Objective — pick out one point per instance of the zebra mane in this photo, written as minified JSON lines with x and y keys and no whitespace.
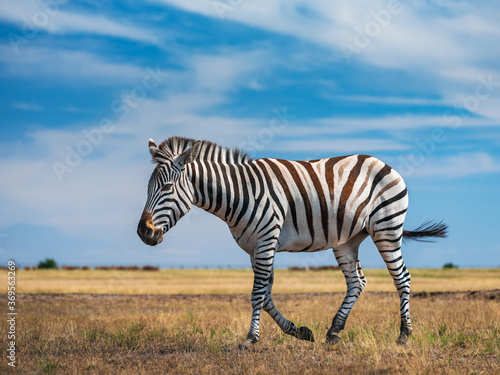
{"x":174,"y":146}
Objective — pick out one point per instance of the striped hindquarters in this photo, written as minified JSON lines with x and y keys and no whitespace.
{"x":330,"y":200}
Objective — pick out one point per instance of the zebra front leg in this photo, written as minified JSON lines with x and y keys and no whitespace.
{"x":262,"y":265}
{"x":302,"y":333}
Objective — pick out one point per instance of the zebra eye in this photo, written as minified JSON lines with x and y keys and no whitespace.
{"x":167,"y":187}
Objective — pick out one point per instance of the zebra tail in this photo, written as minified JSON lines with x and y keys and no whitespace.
{"x":427,"y":229}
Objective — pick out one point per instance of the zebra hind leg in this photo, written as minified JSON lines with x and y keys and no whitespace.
{"x":302,"y":333}
{"x":347,"y":258}
{"x":388,"y":242}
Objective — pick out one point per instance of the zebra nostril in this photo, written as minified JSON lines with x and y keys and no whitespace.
{"x":145,"y":227}
{"x":144,"y":230}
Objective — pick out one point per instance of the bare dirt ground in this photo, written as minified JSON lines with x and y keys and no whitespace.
{"x":40,"y":298}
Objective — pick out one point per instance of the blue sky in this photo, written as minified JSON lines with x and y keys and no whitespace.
{"x":86,"y":84}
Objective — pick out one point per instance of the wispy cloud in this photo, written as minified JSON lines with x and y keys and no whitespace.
{"x":457,"y":166}
{"x":56,"y":19}
{"x":427,"y":39}
{"x":33,"y":195}
{"x":333,"y":147}
{"x":228,"y":74}
{"x":356,"y":125}
{"x":229,"y":69}
{"x":392,"y":100}
{"x":27,"y":106}
{"x":69,"y":65}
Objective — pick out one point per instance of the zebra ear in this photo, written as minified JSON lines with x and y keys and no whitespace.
{"x":189,"y":155}
{"x":195,"y":151}
{"x":153,"y":148}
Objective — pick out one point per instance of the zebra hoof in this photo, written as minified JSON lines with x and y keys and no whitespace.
{"x":305,"y":334}
{"x":332,"y":338}
{"x":402,"y":340}
{"x":406,"y":331}
{"x":246,"y":344}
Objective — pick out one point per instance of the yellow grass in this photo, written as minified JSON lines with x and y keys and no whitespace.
{"x":191,"y":321}
{"x":159,"y":334}
{"x":170,"y":281}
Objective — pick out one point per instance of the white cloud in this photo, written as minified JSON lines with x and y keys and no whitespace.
{"x":102,"y":200}
{"x":33,"y":15}
{"x":34,"y":62}
{"x":391,"y":100}
{"x":411,"y":29}
{"x":184,"y":101}
{"x":88,"y":202}
{"x":446,"y":44}
{"x":338,"y":146}
{"x":357,"y":125}
{"x":323,"y":22}
{"x":456,"y":166}
{"x":228,"y":69}
{"x":23,"y":106}
{"x":103,"y":196}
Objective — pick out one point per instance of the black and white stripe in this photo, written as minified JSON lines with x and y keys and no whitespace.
{"x":273,"y":205}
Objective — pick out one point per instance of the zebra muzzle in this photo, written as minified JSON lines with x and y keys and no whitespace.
{"x":147,"y":231}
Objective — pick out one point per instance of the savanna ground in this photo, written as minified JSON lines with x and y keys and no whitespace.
{"x":191,"y":321}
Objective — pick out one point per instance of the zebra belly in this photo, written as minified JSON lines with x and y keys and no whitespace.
{"x":291,"y":241}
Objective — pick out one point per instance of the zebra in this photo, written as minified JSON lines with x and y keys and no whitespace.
{"x":275,"y":205}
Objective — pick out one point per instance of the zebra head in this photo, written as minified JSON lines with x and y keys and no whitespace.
{"x":170,"y":193}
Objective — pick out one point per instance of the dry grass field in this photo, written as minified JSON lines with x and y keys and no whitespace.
{"x":191,"y":321}
{"x":201,"y":281}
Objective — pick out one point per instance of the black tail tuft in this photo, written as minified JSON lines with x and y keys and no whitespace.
{"x":427,"y":229}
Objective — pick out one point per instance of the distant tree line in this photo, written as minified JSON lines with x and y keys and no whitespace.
{"x":52,"y":264}
{"x":312,"y":268}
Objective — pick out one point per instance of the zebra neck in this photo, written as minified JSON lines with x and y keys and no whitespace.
{"x":217,"y":189}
